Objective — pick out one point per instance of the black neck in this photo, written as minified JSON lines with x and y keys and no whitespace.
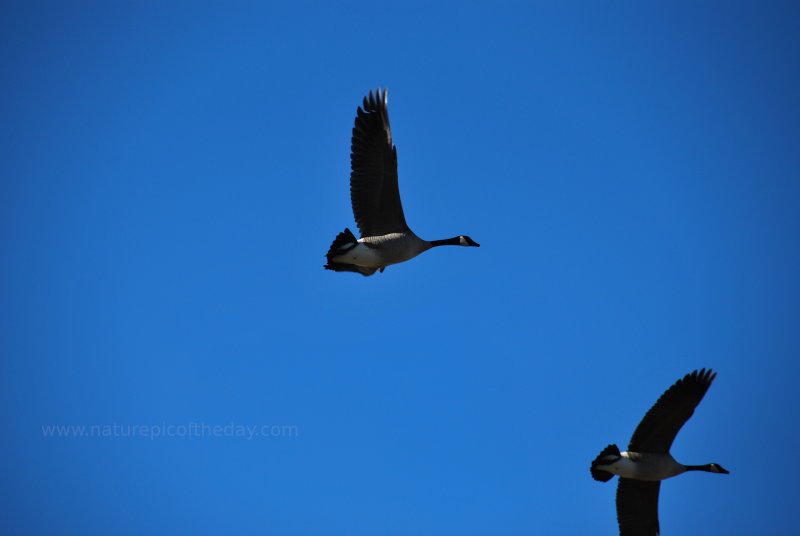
{"x":455,"y":241}
{"x":706,"y":467}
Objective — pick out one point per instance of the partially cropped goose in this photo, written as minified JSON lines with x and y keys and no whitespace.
{"x":375,"y":197}
{"x":648,"y":460}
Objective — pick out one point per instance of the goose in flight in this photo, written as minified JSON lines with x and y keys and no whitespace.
{"x":648,"y":461}
{"x":385,"y":237}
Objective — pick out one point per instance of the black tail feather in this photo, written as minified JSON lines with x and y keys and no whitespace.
{"x":610,"y":454}
{"x":344,"y":242}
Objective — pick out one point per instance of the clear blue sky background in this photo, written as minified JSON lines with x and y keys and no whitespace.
{"x":171,"y":175}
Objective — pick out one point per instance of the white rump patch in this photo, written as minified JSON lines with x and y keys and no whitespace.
{"x":360,"y":255}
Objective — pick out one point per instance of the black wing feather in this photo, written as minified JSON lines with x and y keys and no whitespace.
{"x":374,"y":193}
{"x":662,"y":423}
{"x":637,"y":507}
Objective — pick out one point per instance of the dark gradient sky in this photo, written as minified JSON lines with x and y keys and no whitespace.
{"x":171,"y":174}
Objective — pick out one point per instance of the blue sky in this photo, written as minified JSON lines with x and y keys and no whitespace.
{"x":172,"y":173}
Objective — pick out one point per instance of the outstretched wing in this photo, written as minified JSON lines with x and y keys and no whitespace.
{"x":662,"y":423}
{"x":637,"y":507}
{"x":373,"y":180}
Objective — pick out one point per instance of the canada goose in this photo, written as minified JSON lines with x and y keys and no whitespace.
{"x":375,"y":197}
{"x":648,"y":460}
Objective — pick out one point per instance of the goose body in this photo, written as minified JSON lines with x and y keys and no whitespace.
{"x":382,"y":251}
{"x":644,"y":466}
{"x":385,"y":239}
{"x":647,"y":461}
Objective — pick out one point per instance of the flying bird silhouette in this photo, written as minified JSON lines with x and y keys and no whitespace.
{"x":648,"y":461}
{"x":385,"y":237}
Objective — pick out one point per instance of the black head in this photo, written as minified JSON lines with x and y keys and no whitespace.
{"x":716,"y":468}
{"x":467,"y":241}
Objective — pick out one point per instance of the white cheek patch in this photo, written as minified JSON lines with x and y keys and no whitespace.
{"x":462,"y":241}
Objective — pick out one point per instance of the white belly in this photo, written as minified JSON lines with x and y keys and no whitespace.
{"x":647,"y":467}
{"x":360,"y":255}
{"x":623,"y":467}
